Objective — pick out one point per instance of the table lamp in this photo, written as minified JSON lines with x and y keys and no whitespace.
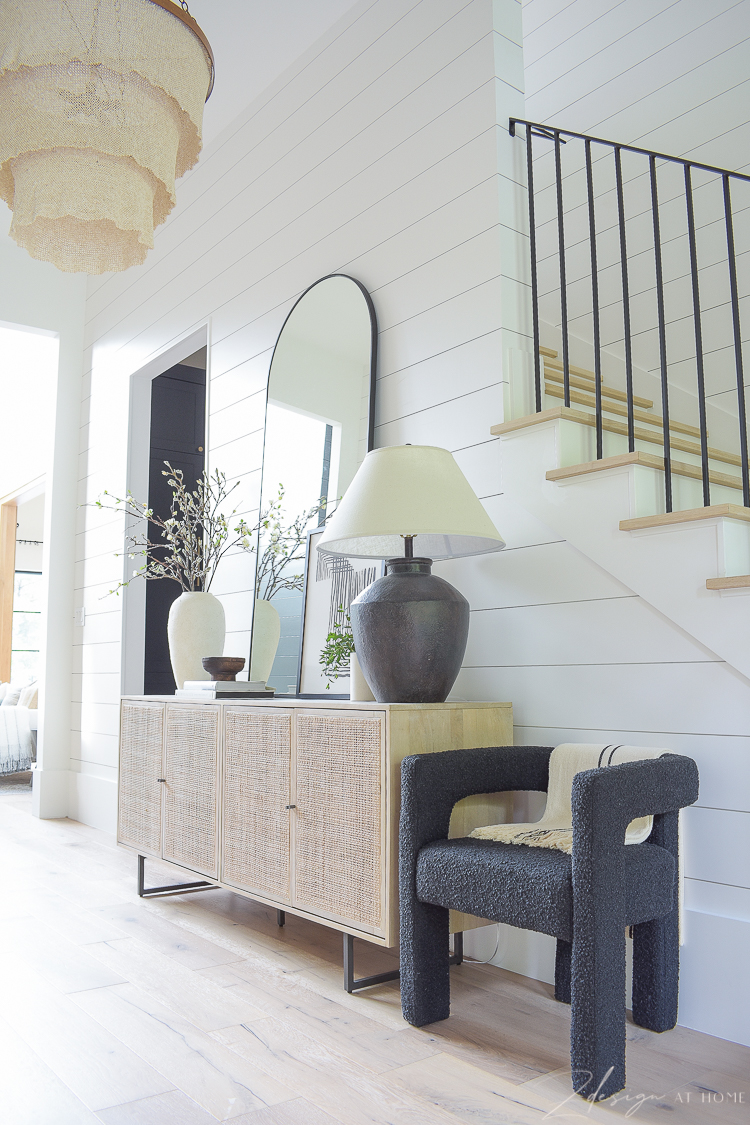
{"x":410,"y":627}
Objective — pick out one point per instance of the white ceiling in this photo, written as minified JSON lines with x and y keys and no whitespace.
{"x":253,"y":42}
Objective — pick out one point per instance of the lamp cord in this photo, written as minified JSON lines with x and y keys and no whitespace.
{"x":472,"y":961}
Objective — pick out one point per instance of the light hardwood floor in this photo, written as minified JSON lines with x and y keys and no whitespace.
{"x":189,"y":1010}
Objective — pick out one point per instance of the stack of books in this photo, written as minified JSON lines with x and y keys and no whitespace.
{"x":201,"y":690}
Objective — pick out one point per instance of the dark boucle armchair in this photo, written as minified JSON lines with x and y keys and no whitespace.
{"x":585,"y":901}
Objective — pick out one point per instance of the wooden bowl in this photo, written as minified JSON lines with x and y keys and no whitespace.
{"x":223,"y":667}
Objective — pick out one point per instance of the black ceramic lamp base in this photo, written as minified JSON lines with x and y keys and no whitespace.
{"x":410,"y":631}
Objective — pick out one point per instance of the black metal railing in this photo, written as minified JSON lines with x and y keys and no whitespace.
{"x":643,"y":214}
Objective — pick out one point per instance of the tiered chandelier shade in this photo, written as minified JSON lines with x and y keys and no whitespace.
{"x":101,"y":109}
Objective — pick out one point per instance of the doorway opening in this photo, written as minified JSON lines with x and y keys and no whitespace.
{"x":177,"y":436}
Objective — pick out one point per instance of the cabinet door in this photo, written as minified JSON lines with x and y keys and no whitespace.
{"x":191,"y":758}
{"x":255,"y":813}
{"x":139,"y":794}
{"x":339,"y":821}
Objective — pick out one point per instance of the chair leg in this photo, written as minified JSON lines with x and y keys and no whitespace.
{"x":656,"y":947}
{"x":597,"y":1028}
{"x":656,"y":969}
{"x":563,"y":954}
{"x":425,"y":963}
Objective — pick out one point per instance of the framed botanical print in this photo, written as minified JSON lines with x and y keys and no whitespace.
{"x":332,"y":582}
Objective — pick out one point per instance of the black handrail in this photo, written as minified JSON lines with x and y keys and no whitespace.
{"x":558,"y":137}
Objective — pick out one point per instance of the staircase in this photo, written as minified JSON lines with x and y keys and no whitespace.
{"x":639,"y":488}
{"x":686,"y":563}
{"x":649,"y":435}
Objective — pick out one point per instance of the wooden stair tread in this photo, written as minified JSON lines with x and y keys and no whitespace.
{"x":738,"y":582}
{"x":556,"y":375}
{"x":689,"y":515}
{"x":617,"y":408}
{"x":590,"y":377}
{"x":650,"y":460}
{"x":550,"y":415}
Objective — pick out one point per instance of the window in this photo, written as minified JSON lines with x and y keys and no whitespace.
{"x":27,"y":625}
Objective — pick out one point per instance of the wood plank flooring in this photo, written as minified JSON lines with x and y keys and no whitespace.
{"x":197,"y":1009}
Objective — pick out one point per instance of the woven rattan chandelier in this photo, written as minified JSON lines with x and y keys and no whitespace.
{"x":101,"y":108}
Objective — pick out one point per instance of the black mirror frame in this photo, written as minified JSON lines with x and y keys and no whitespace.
{"x":370,"y":433}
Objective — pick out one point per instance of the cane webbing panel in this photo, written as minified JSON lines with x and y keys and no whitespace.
{"x":141,"y":737}
{"x":255,"y":837}
{"x":338,"y":821}
{"x":190,"y":767}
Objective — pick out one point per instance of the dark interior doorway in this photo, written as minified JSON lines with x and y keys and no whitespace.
{"x":178,"y":427}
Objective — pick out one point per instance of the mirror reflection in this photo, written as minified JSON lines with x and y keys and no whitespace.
{"x":319,"y":425}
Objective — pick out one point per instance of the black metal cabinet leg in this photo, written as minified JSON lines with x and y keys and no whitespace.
{"x":352,"y":984}
{"x":281,"y":917}
{"x":174,"y":889}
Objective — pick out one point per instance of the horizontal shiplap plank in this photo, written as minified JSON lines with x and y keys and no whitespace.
{"x":96,"y":688}
{"x":469,"y":367}
{"x":723,"y":760}
{"x":717,"y":845}
{"x":717,"y":898}
{"x":453,"y":424}
{"x":96,"y":718}
{"x":651,"y":698}
{"x":95,"y":749}
{"x":614,"y":631}
{"x":531,"y":576}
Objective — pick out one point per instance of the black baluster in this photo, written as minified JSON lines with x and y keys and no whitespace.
{"x":595,"y":304}
{"x":563,"y":284}
{"x":742,"y":417}
{"x":662,"y":336}
{"x":625,"y":301}
{"x":698,"y":336}
{"x":534,"y":282}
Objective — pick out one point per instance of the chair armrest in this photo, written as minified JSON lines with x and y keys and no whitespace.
{"x":606,"y":800}
{"x":431,"y":784}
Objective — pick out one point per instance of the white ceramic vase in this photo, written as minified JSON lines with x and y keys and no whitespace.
{"x":359,"y":689}
{"x":196,"y":628}
{"x":266,"y":635}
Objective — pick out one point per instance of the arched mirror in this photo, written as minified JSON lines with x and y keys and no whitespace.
{"x":319,"y":426}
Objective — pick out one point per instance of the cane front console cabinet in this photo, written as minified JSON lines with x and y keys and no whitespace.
{"x":293,"y":803}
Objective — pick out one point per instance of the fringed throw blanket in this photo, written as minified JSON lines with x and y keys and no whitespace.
{"x":16,"y":746}
{"x":555,"y":829}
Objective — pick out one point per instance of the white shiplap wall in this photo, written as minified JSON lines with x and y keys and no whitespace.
{"x":378,"y":154}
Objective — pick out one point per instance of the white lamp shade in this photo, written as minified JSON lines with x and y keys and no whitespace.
{"x":414,"y":490}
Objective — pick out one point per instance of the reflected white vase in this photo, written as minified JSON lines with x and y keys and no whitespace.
{"x":359,"y":689}
{"x":266,"y":636}
{"x":196,"y":628}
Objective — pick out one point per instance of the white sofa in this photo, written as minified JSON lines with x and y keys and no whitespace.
{"x":18,"y":726}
